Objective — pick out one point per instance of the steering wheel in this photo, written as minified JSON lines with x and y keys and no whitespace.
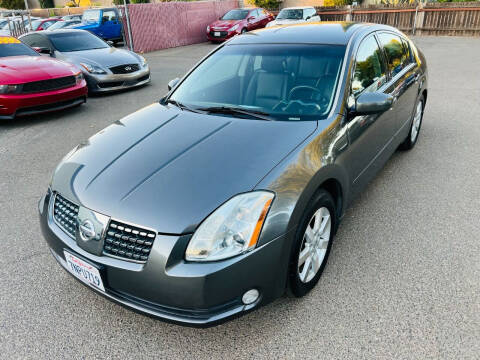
{"x":313,"y":91}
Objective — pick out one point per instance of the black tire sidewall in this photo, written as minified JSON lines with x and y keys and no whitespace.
{"x":321,"y":199}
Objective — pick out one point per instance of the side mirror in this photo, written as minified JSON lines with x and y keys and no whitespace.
{"x":43,"y":50}
{"x":308,"y":18}
{"x":173,"y":83}
{"x":250,"y":18}
{"x":372,"y":103}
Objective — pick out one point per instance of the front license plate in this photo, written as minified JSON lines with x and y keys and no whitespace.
{"x":85,"y":272}
{"x":216,"y":33}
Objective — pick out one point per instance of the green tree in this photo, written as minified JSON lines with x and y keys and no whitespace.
{"x":268,"y":4}
{"x":46,"y":4}
{"x":12,"y":4}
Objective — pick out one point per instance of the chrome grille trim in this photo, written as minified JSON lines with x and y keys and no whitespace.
{"x":65,"y":213}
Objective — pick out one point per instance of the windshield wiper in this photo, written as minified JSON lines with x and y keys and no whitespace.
{"x":183,"y":106}
{"x":235,"y":111}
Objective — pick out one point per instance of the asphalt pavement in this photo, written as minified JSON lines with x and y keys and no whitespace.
{"x":403,"y":278}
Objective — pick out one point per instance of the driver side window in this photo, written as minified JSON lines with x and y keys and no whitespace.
{"x":370,"y":71}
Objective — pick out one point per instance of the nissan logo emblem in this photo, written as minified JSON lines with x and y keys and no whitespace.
{"x":128,"y":68}
{"x":87,"y":230}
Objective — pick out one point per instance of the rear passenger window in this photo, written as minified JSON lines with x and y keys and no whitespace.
{"x":397,"y":56}
{"x":369,"y":67}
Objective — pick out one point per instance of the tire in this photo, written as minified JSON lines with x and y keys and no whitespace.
{"x":415,"y":127}
{"x":244,"y":30}
{"x":302,"y":280}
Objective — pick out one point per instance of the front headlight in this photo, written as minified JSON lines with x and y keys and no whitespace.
{"x":93,"y":69}
{"x":143,"y":61}
{"x":8,"y":89}
{"x":232,"y":229}
{"x":79,"y":78}
{"x":233,"y":28}
{"x":208,"y":28}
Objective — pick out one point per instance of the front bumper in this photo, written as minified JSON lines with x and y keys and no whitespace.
{"x":169,"y":288}
{"x":224,"y":35}
{"x":13,"y":105}
{"x":115,"y":82}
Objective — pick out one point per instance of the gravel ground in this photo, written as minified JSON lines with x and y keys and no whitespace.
{"x":402,"y":280}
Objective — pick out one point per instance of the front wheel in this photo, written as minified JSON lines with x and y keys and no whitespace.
{"x":244,"y":30}
{"x":312,"y":244}
{"x":412,"y":136}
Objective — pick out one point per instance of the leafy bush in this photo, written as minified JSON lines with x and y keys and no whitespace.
{"x":139,"y":1}
{"x":46,"y":4}
{"x":12,"y":4}
{"x":268,"y":4}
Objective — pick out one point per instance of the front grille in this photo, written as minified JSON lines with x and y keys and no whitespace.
{"x":65,"y":214}
{"x":125,"y":69}
{"x":222,"y":33}
{"x":128,"y":242}
{"x":48,"y":85}
{"x":110,"y":84}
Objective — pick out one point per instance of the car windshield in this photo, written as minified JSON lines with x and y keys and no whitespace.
{"x":36,"y":24}
{"x":76,"y":41}
{"x":235,"y":15}
{"x":288,"y":82}
{"x":16,"y":49}
{"x":291,"y":14}
{"x":91,"y":16}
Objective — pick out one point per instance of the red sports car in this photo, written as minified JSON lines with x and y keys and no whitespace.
{"x":32,"y":84}
{"x":238,"y":21}
{"x":43,"y":24}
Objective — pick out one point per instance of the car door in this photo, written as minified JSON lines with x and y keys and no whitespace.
{"x":403,"y":73}
{"x":255,"y":21}
{"x":110,"y":28}
{"x":368,"y":135}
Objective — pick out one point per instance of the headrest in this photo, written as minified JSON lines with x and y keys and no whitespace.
{"x":311,"y":67}
{"x":273,"y":64}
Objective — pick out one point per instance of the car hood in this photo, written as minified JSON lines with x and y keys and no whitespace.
{"x":285,"y":22}
{"x":22,"y":69}
{"x":167,"y":169}
{"x":224,"y":24}
{"x":106,"y":57}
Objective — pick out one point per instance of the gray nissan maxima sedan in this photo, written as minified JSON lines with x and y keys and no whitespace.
{"x":105,"y":67}
{"x":229,"y":190}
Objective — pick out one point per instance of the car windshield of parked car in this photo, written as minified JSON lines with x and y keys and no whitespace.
{"x":62,"y":24}
{"x":76,"y":41}
{"x":36,"y":24}
{"x":235,"y":15}
{"x":91,"y":16}
{"x":290,"y":14}
{"x":288,"y":82}
{"x":16,"y":49}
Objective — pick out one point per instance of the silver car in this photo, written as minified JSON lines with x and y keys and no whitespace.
{"x":105,"y":67}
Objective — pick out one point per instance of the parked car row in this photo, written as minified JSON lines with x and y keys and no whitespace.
{"x":74,"y":63}
{"x":239,"y":21}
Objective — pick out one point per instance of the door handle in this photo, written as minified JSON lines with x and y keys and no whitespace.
{"x":417,"y":77}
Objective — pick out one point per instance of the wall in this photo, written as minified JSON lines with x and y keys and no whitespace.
{"x":164,"y":25}
{"x":292,"y":3}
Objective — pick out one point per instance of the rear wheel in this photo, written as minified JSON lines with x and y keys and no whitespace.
{"x":412,"y":136}
{"x":312,"y":244}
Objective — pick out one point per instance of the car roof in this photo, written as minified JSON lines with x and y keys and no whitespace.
{"x":327,"y":32}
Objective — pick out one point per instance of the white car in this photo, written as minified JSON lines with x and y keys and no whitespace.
{"x":295,"y":15}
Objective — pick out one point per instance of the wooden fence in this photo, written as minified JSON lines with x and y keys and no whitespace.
{"x":425,"y":19}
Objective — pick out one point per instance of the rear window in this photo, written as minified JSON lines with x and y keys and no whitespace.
{"x":76,"y":41}
{"x":16,"y":49}
{"x":91,"y":16}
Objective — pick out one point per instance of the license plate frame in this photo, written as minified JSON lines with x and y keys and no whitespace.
{"x":84,"y":271}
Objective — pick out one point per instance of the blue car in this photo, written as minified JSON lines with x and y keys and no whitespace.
{"x":104,"y":23}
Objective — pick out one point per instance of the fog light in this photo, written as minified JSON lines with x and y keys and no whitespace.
{"x":250,"y":296}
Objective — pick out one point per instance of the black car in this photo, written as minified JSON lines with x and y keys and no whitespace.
{"x":230,"y":189}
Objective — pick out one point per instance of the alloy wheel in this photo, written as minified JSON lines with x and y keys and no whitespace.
{"x":417,"y":121}
{"x":314,"y":244}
